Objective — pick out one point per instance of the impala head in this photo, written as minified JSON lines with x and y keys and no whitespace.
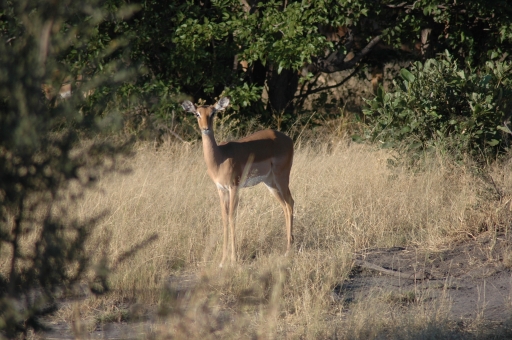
{"x":205,"y":113}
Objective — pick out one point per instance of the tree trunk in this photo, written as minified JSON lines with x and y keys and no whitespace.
{"x":426,"y":43}
{"x":281,"y":90}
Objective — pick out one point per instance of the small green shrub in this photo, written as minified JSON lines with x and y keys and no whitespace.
{"x":438,"y":103}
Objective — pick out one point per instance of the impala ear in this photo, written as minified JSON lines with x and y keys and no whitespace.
{"x":188,"y":106}
{"x":222,"y":104}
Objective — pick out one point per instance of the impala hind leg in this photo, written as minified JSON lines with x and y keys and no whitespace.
{"x":284,"y":197}
{"x":289,"y":221}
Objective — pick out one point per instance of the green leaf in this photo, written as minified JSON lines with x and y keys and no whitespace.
{"x":405,"y":130}
{"x":504,"y":129}
{"x":380,"y":92}
{"x":477,"y":109}
{"x":407,"y":75}
{"x":493,"y":142}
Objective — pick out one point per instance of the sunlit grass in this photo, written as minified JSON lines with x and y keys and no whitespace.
{"x":163,"y":219}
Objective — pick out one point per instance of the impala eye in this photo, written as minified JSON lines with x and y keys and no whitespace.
{"x":197,"y":115}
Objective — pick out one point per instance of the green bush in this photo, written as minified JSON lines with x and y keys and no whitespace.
{"x":438,"y":103}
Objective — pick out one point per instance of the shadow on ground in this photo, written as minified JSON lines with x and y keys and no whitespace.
{"x":473,"y":277}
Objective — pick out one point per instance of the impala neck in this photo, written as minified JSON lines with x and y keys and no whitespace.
{"x":211,"y":151}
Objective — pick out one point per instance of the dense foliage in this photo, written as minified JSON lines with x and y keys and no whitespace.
{"x":439,"y":103}
{"x":268,"y":55}
{"x":258,"y":52}
{"x":42,"y":248}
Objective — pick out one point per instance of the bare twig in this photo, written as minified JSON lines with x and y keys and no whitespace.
{"x":177,"y":136}
{"x":320,"y":89}
{"x":498,"y":191}
{"x":403,"y":275}
{"x":331,"y":66}
{"x":44,"y":41}
{"x":397,"y":6}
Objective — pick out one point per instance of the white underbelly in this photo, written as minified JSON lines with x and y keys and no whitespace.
{"x":251,"y":181}
{"x":255,"y":176}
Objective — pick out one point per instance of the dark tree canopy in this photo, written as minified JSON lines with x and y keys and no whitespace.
{"x":246,"y":48}
{"x":202,"y":48}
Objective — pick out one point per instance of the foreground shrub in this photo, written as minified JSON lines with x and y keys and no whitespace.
{"x":438,"y":103}
{"x":41,"y":248}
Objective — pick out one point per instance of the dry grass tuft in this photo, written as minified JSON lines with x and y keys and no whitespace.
{"x":164,"y":222}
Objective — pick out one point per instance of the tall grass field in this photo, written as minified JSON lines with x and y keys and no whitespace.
{"x":161,"y":239}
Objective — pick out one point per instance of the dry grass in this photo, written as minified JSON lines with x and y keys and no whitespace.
{"x":164,"y":220}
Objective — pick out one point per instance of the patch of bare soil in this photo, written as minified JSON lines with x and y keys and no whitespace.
{"x":473,"y":276}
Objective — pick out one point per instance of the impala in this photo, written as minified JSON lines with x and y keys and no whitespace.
{"x":265,"y":156}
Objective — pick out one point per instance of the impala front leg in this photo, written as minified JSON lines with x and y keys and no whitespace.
{"x":224,"y":207}
{"x":233,"y":202}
